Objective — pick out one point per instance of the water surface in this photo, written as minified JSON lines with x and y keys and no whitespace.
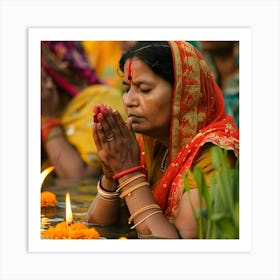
{"x":82,"y":192}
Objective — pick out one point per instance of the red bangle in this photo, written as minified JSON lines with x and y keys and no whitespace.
{"x":130,"y":170}
{"x":47,"y":125}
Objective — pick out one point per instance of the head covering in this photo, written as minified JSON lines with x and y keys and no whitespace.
{"x":198,"y":117}
{"x":67,"y":64}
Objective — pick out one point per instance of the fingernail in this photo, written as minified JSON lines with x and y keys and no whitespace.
{"x":96,"y":110}
{"x":99,"y":116}
{"x":104,"y":109}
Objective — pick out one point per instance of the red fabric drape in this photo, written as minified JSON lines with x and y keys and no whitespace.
{"x":198,"y":117}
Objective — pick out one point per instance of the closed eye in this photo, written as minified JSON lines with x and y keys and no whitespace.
{"x":145,"y":90}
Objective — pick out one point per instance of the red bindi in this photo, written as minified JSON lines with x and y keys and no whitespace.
{"x":129,"y":77}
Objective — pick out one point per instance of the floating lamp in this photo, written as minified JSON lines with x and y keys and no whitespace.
{"x":48,"y":199}
{"x":70,"y":229}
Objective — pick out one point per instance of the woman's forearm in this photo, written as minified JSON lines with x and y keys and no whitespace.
{"x":65,"y":158}
{"x":103,"y":211}
{"x":151,"y":221}
{"x":105,"y":208}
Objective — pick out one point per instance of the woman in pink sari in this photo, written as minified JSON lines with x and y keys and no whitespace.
{"x":175,"y":115}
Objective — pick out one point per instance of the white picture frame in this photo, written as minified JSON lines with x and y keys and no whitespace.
{"x":22,"y":257}
{"x":244,"y":36}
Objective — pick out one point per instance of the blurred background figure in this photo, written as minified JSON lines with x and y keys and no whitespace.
{"x":223,"y":60}
{"x":70,"y":88}
{"x":103,"y":57}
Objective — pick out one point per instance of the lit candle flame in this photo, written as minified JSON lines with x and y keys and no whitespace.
{"x":69,"y":216}
{"x":45,"y":173}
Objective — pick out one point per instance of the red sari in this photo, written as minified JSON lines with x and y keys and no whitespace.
{"x":198,"y":117}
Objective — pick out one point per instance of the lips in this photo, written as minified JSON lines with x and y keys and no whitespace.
{"x":135,"y":119}
{"x":132,"y":116}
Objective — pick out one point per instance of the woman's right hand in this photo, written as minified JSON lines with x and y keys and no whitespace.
{"x":116,"y":143}
{"x":108,"y":183}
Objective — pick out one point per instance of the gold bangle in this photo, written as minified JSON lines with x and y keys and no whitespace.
{"x":145,"y":218}
{"x":55,"y":135}
{"x":129,"y":180}
{"x":141,"y":210}
{"x":133,"y":188}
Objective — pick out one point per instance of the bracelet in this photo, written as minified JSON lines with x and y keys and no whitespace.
{"x":129,"y":180}
{"x":47,"y":119}
{"x":103,"y":187}
{"x":106,"y":199}
{"x":47,"y":124}
{"x":105,"y":194}
{"x":130,"y":190}
{"x":141,"y":210}
{"x":130,"y":170}
{"x":144,"y":219}
{"x":54,"y":135}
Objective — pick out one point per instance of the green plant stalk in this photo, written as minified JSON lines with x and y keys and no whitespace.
{"x":221,"y":199}
{"x":199,"y":179}
{"x":224,"y":181}
{"x":187,"y":188}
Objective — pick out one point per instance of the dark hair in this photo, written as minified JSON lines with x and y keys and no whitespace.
{"x":155,"y":54}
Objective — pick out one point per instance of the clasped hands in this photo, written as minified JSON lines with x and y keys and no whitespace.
{"x":115,"y":140}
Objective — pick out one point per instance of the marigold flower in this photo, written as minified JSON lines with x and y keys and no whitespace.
{"x":64,"y":230}
{"x":48,"y":199}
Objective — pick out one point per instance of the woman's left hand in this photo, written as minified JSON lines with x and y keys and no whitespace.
{"x":116,"y":143}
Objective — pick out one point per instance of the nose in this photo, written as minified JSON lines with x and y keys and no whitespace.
{"x":130,"y":98}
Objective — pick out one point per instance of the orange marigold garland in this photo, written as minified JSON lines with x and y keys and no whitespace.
{"x":64,"y":230}
{"x":48,"y":199}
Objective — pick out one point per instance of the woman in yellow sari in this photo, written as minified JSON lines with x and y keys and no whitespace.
{"x":176,"y":108}
{"x":69,"y":90}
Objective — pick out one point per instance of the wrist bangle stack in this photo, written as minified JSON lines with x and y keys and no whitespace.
{"x":130,"y":170}
{"x":145,"y":218}
{"x":141,"y":210}
{"x":133,"y":188}
{"x":51,"y":136}
{"x":106,"y":195}
{"x":47,"y":124}
{"x":125,"y":183}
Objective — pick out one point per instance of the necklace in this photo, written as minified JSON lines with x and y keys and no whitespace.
{"x":164,"y":161}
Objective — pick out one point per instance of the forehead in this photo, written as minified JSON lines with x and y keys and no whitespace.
{"x":137,"y":68}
